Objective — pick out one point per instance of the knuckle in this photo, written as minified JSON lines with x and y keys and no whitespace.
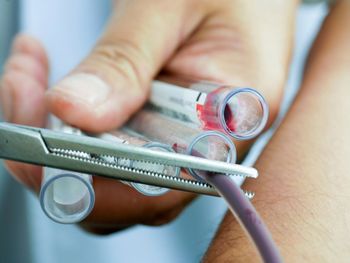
{"x":126,"y":59}
{"x":164,"y":217}
{"x":272,"y":86}
{"x":27,"y":174}
{"x":101,"y":230}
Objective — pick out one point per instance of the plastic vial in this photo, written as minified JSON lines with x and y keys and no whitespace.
{"x":66,"y":197}
{"x":184,"y":138}
{"x":128,"y":137}
{"x":239,"y":112}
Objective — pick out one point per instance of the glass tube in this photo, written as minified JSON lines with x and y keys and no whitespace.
{"x":129,"y":137}
{"x":239,"y":112}
{"x":66,"y":197}
{"x":184,"y":138}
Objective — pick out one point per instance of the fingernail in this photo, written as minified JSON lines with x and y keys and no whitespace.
{"x":6,"y":102}
{"x":85,"y":88}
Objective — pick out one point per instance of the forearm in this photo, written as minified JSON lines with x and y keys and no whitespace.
{"x":303,"y":189}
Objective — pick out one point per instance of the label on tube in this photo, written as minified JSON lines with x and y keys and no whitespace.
{"x":175,"y":101}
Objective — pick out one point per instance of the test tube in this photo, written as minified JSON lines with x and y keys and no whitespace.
{"x":239,"y":112}
{"x":184,"y":138}
{"x":129,"y":137}
{"x":66,"y":197}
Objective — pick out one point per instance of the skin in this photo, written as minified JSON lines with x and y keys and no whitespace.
{"x":303,"y":189}
{"x":254,"y":41}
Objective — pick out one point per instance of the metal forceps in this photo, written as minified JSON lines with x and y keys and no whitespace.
{"x":92,"y":155}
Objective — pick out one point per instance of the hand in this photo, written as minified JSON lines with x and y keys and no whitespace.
{"x":244,"y":43}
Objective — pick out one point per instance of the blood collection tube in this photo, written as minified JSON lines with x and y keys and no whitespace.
{"x":239,"y":112}
{"x":66,"y":197}
{"x":184,"y":138}
{"x":129,"y":137}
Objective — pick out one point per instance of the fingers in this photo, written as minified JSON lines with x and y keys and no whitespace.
{"x":244,"y":43}
{"x":27,"y":174}
{"x":117,"y":205}
{"x":29,"y":65}
{"x":126,"y":206}
{"x":22,"y":97}
{"x":24,"y":82}
{"x":112,"y":82}
{"x":27,"y":45}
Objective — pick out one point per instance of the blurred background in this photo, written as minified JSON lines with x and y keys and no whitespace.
{"x":68,"y":30}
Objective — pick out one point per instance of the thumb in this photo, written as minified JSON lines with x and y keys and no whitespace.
{"x":113,"y":81}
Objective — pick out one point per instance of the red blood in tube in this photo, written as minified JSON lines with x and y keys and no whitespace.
{"x":175,"y":147}
{"x":208,"y":124}
{"x":179,"y":148}
{"x":209,"y":112}
{"x":229,"y":119}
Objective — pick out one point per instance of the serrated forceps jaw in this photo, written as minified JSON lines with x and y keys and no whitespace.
{"x":88,"y":155}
